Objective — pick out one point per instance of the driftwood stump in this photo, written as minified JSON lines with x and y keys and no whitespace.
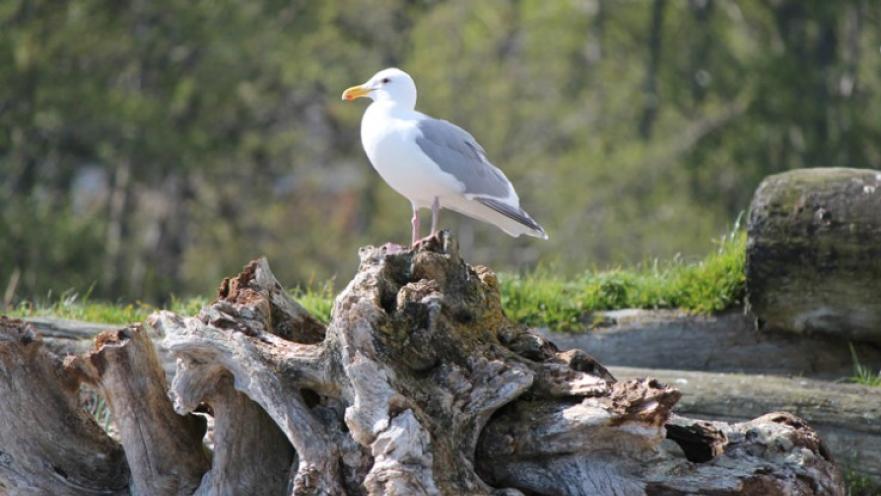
{"x":812,"y":259}
{"x":419,"y":385}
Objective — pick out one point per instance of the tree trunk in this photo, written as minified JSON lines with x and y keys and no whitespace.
{"x":420,"y":385}
{"x":119,"y":207}
{"x":650,"y":91}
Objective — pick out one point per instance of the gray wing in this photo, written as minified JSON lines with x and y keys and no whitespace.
{"x":458,"y":154}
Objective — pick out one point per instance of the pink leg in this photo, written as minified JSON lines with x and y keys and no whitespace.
{"x":435,"y":211}
{"x":415,"y":223}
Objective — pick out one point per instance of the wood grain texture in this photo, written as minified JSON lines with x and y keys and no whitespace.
{"x":164,"y":450}
{"x":847,"y":416}
{"x":419,"y":385}
{"x":726,"y":342}
{"x":48,"y":443}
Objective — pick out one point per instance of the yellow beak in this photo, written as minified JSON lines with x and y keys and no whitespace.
{"x":356,"y":92}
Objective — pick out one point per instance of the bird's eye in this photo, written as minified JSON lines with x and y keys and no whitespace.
{"x":386,"y":80}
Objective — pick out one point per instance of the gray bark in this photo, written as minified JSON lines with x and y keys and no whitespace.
{"x":251,"y":454}
{"x":48,"y":443}
{"x":813,"y":251}
{"x":164,"y":450}
{"x":420,"y":385}
{"x":847,"y":416}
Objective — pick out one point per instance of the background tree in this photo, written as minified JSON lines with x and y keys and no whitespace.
{"x":129,"y":132}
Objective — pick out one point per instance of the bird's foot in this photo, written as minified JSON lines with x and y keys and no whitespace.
{"x":433,"y":238}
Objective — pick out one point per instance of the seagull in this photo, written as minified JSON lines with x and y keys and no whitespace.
{"x":434,"y":163}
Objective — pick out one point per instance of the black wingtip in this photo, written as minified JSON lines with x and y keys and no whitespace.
{"x":513,"y":213}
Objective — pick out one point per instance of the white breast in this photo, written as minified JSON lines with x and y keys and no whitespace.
{"x":388,"y":135}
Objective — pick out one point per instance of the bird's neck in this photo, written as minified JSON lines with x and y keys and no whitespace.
{"x":398,"y":104}
{"x":384,"y":111}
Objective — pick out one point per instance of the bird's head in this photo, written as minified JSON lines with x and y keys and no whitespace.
{"x":388,"y":85}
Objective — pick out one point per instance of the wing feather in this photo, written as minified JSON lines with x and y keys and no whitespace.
{"x":457,"y":153}
{"x":514,"y":213}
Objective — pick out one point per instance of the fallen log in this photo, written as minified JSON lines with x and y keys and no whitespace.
{"x":847,"y":416}
{"x":65,"y":336}
{"x":726,"y":342}
{"x":66,"y":329}
{"x":420,"y":385}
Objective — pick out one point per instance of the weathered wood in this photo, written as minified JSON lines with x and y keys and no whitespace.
{"x":575,"y":449}
{"x":727,"y":342}
{"x":65,"y":336}
{"x":421,"y":386}
{"x":48,"y":443}
{"x":276,"y":311}
{"x":67,"y":329}
{"x":419,"y":376}
{"x":251,"y":454}
{"x":847,"y":416}
{"x":254,"y":305}
{"x":163,"y":449}
{"x":664,"y":339}
{"x":799,"y":463}
{"x":813,"y":253}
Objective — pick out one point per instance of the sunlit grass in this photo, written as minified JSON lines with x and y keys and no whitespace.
{"x":862,"y":374}
{"x":709,"y":285}
{"x":76,"y":307}
{"x":539,"y":298}
{"x":318,"y":301}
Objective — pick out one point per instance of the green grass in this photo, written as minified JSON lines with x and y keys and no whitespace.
{"x":710,"y":285}
{"x":862,"y":374}
{"x":76,"y":307}
{"x":857,"y":484}
{"x":318,"y":301}
{"x":539,"y":298}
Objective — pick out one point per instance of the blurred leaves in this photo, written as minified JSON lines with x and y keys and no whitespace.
{"x":150,"y":148}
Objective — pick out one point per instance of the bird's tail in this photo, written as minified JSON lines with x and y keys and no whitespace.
{"x":516,"y":214}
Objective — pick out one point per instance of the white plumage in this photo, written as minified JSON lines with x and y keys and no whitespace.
{"x":431,"y":162}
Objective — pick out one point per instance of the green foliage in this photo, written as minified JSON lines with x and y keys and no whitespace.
{"x":318,"y":301}
{"x":857,"y":484}
{"x":862,"y":374}
{"x":149,"y":148}
{"x":710,"y":285}
{"x":94,"y":403}
{"x":73,"y":306}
